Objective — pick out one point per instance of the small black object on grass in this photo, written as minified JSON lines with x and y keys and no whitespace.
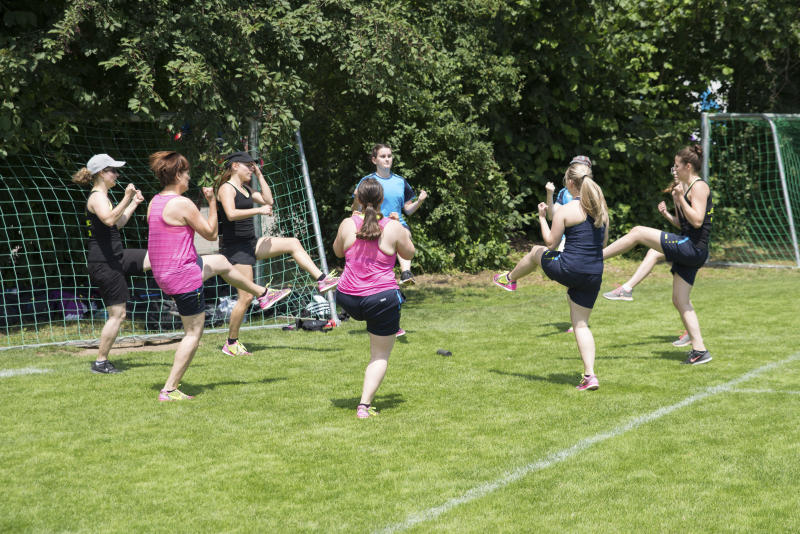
{"x":444,"y":352}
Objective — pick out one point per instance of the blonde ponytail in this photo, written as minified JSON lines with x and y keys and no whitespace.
{"x":593,"y":202}
{"x":83,"y":177}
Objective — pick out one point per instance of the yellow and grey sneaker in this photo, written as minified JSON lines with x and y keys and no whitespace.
{"x":174,"y":395}
{"x":236,"y":348}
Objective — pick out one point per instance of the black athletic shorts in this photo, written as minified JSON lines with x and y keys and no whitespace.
{"x":381,"y":311}
{"x":191,"y":302}
{"x":582,"y":288}
{"x":112,"y":278}
{"x":240,"y":252}
{"x":685,"y":257}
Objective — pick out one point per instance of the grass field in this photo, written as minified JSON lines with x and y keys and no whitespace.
{"x":492,"y":439}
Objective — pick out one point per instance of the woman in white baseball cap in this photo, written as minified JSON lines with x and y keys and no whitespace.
{"x":109,"y":265}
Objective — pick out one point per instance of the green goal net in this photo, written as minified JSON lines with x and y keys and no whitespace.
{"x":47,"y":297}
{"x":753,"y":168}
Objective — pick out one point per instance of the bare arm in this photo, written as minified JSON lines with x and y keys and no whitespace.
{"x":227,"y":196}
{"x":413,"y":205}
{"x":695,"y":213}
{"x":403,"y":245}
{"x":550,"y":188}
{"x":673,"y":219}
{"x":182,"y":211}
{"x":263,"y":197}
{"x":345,"y":237}
{"x":100,"y":205}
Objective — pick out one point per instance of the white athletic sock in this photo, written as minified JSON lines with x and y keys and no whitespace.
{"x":626,"y":287}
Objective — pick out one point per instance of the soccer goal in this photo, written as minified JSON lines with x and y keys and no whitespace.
{"x":46,"y":294}
{"x":753,"y":167}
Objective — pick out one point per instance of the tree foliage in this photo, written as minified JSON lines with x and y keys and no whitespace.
{"x":484,"y":101}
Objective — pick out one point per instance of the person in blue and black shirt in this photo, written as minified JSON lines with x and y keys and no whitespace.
{"x":398,"y":198}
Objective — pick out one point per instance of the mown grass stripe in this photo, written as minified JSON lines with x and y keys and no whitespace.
{"x":6,"y":373}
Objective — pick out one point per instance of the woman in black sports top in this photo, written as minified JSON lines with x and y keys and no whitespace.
{"x":108,"y":263}
{"x":688,"y":251}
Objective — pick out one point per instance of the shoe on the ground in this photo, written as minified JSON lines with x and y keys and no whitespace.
{"x":329,"y":282}
{"x":503,"y":281}
{"x":697,"y":357}
{"x":237,"y":349}
{"x":363,"y":411}
{"x":588,"y":382}
{"x":400,"y":332}
{"x":174,"y":395}
{"x":407,"y":278}
{"x":569,"y":330}
{"x":619,"y":294}
{"x":272,"y":297}
{"x":104,"y":367}
{"x":683,"y":340}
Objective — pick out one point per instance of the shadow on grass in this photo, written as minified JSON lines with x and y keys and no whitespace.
{"x":677,"y":354}
{"x":560,"y":328}
{"x":197,"y":388}
{"x":555,"y":378}
{"x":255,"y":347}
{"x":123,"y":365}
{"x":648,"y":340}
{"x":381,"y":402}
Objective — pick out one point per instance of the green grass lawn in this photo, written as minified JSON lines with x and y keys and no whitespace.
{"x":271,"y":443}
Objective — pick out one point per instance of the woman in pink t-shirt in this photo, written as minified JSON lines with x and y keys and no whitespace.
{"x":367,"y":288}
{"x":173,"y":220}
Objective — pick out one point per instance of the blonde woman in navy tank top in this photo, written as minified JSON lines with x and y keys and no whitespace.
{"x":367,"y":289}
{"x":579,"y":267}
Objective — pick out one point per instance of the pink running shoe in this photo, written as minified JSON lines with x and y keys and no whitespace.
{"x":400,"y":332}
{"x":237,"y":349}
{"x":329,"y":282}
{"x":683,"y":340}
{"x":502,"y":280}
{"x":588,"y":382}
{"x":174,"y":395}
{"x":363,"y":411}
{"x":272,"y":297}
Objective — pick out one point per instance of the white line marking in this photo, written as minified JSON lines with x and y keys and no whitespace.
{"x":5,"y":373}
{"x":737,"y":390}
{"x":489,"y":487}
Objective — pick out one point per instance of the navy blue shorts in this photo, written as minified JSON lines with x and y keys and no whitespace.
{"x":582,"y":288}
{"x":381,"y":310}
{"x":685,"y":257}
{"x":240,"y":252}
{"x":112,"y":278}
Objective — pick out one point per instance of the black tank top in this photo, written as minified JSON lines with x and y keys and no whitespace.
{"x":104,"y":244}
{"x":241,"y":230}
{"x":583,"y":248}
{"x":698,"y":236}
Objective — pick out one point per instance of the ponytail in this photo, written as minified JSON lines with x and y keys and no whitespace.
{"x":593,"y":202}
{"x":370,"y":194}
{"x":222,"y":178}
{"x":83,"y":177}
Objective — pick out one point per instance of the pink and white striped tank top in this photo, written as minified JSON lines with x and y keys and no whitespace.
{"x":367,"y":270}
{"x":172,"y":254}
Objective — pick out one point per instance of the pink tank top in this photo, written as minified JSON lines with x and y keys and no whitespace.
{"x":367,"y":270}
{"x":172,"y":254}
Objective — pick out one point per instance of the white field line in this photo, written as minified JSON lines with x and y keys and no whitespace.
{"x":489,"y":487}
{"x":778,"y":391}
{"x":5,"y":373}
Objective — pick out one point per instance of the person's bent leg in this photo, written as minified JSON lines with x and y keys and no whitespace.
{"x":528,"y":263}
{"x":146,"y":263}
{"x":651,"y":259}
{"x":380,"y":348}
{"x":116,"y":314}
{"x":639,"y":235}
{"x":579,"y":316}
{"x":242,"y":304}
{"x":217,"y":264}
{"x":680,"y":298}
{"x":270,"y":247}
{"x":193,"y":328}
